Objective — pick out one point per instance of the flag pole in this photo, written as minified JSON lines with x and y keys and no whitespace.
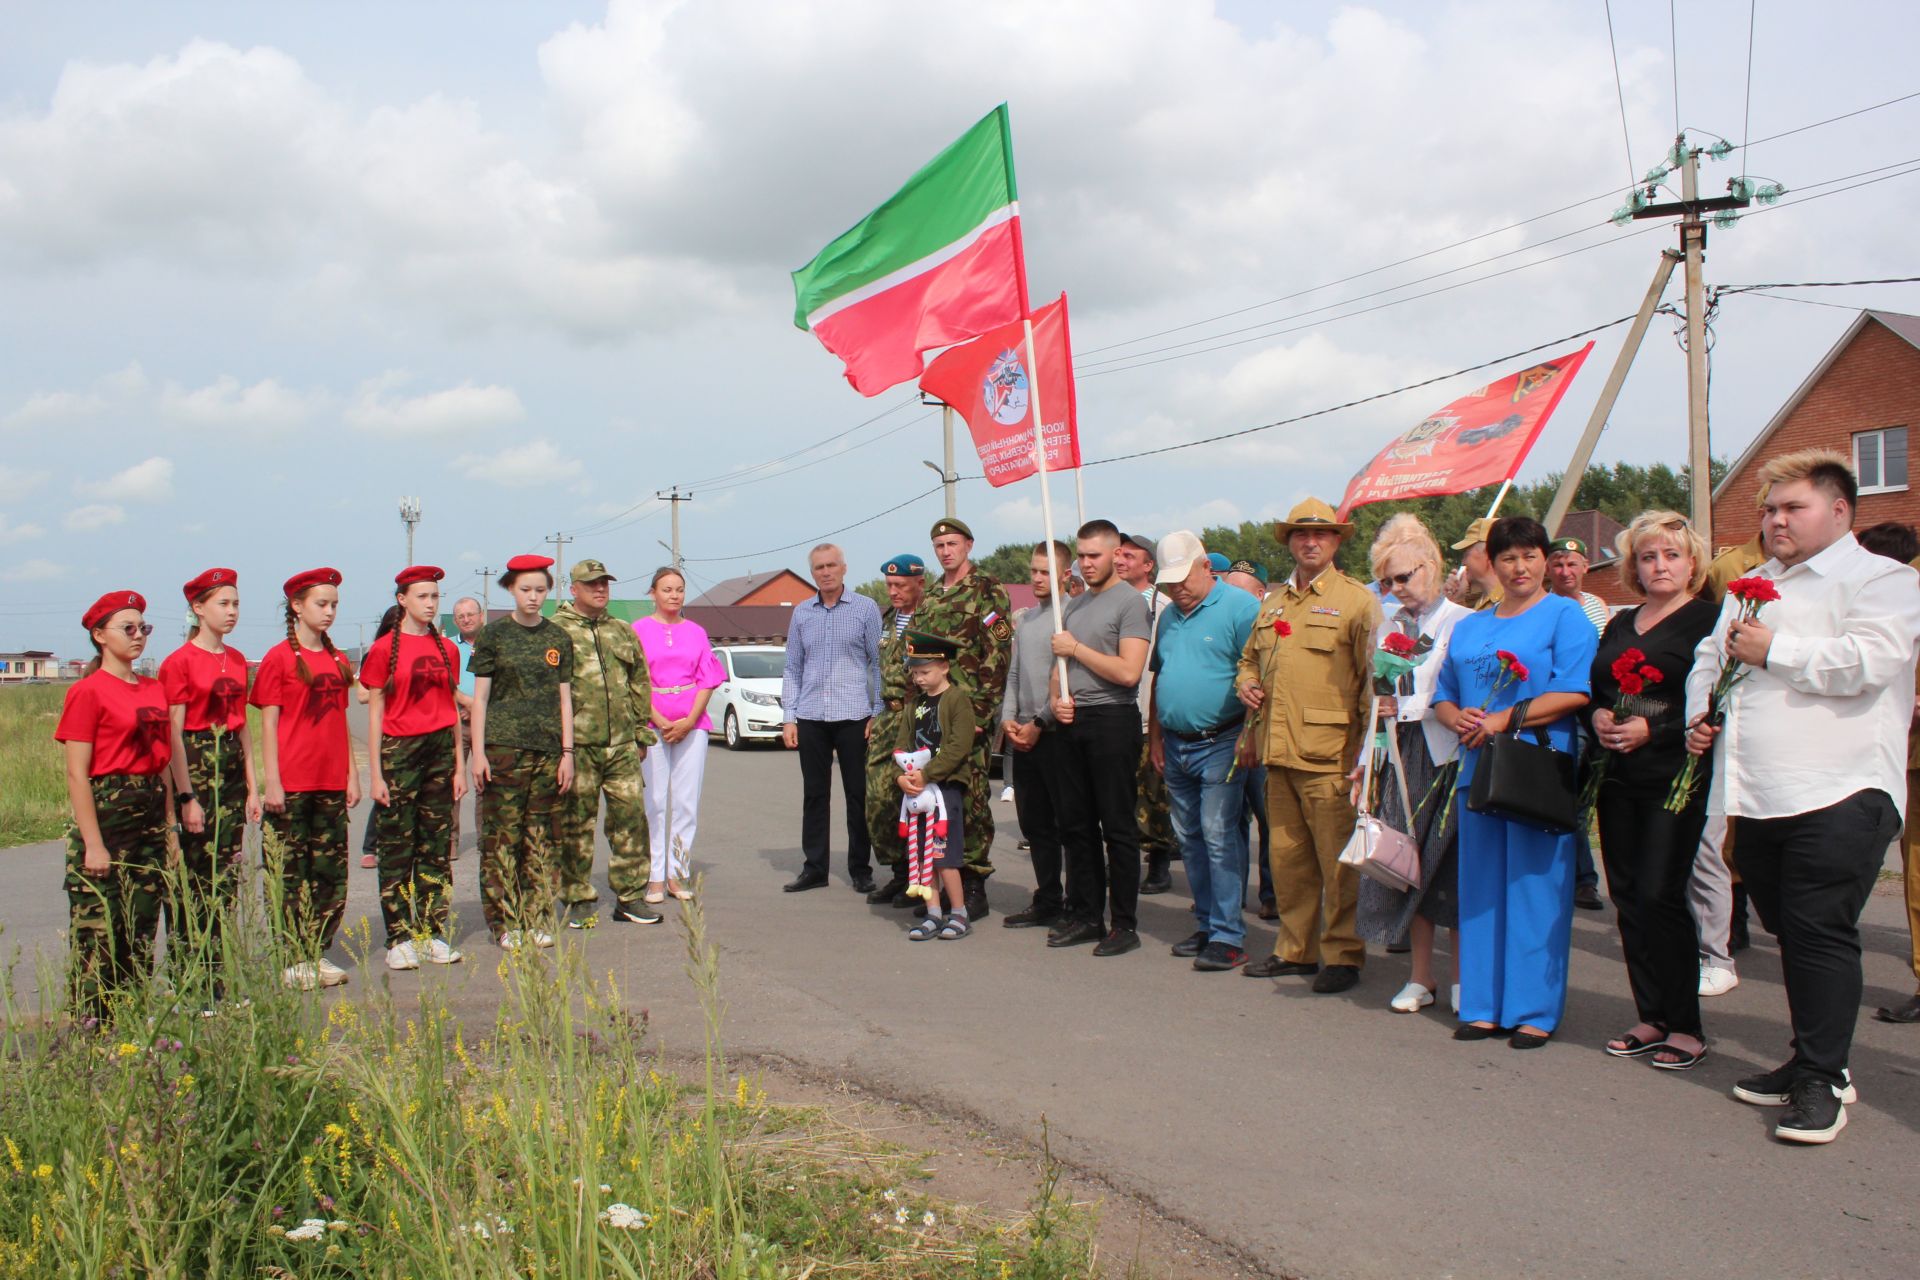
{"x":1046,"y":490}
{"x":1079,"y":496}
{"x":1500,"y":497}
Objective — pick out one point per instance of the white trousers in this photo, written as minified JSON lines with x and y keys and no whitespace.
{"x":1710,"y":895}
{"x":677,"y":768}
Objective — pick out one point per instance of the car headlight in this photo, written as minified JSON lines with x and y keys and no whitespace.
{"x":760,"y":699}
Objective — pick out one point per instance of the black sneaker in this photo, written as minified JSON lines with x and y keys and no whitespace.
{"x":1118,"y":943}
{"x":1219,"y":957}
{"x":1814,"y":1113}
{"x":1033,"y":918}
{"x":636,"y":912}
{"x":1775,"y":1088}
{"x":1188,"y":948}
{"x":887,"y":892}
{"x":579,"y":914}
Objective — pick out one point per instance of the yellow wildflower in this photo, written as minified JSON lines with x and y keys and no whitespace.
{"x":43,"y":1171}
{"x":186,"y":1083}
{"x":126,"y":1048}
{"x":13,"y":1154}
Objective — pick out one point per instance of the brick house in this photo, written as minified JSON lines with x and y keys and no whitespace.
{"x":778,"y":587}
{"x":1858,"y":401}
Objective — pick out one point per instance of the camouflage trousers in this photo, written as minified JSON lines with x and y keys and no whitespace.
{"x":520,"y":816}
{"x":883,"y":794}
{"x":312,"y":833}
{"x":1150,"y":811}
{"x":615,"y":773}
{"x":416,"y":867}
{"x":112,"y":918}
{"x":978,"y":820}
{"x":209,"y":882}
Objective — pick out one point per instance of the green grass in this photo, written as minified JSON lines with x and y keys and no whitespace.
{"x":311,"y":1136}
{"x":33,"y":779}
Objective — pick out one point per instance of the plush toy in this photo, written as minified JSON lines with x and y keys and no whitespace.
{"x":923,"y":825}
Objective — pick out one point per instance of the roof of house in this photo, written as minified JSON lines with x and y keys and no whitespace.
{"x":1595,"y":528}
{"x":742,"y":623}
{"x":1903,"y":326}
{"x":731,"y":591}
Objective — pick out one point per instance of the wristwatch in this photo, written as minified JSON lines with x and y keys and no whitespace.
{"x":183,"y":799}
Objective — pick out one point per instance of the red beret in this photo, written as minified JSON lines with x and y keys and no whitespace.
{"x":311,"y":578}
{"x":520,"y":564}
{"x":417,"y":573}
{"x":208,"y":581}
{"x":111,"y":603}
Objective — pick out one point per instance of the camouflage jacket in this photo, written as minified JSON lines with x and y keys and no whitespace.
{"x":612,"y":692}
{"x":976,"y":615}
{"x":895,"y":687}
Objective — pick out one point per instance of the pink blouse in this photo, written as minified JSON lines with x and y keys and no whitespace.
{"x":681,"y":663}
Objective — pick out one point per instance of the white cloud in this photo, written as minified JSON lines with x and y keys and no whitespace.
{"x":521,"y":466}
{"x":16,"y":483}
{"x":453,"y":409}
{"x":38,"y":570}
{"x":149,"y":481}
{"x":66,"y":406}
{"x":227,"y":404}
{"x":10,"y":532}
{"x":87,"y":519}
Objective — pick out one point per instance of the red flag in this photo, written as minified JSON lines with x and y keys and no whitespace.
{"x":987,"y":381}
{"x":1479,"y":439}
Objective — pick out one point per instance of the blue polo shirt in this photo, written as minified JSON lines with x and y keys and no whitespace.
{"x":1195,"y":657}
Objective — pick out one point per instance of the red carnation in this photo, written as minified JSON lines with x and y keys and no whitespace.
{"x":1754,"y":590}
{"x":1651,"y":675}
{"x":1399,"y":644}
{"x":1627,"y":662}
{"x":1281,"y":628}
{"x":1506,"y":659}
{"x":1632,"y":685}
{"x":1519,"y":669}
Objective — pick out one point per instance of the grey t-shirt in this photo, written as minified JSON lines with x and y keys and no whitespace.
{"x":1100,"y":620}
{"x":1026,"y":695}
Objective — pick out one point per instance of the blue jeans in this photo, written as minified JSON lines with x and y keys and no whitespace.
{"x":1209,"y":820}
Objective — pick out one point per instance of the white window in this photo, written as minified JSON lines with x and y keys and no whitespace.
{"x":1880,"y":460}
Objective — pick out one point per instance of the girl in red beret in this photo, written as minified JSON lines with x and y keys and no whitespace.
{"x":419,"y":772}
{"x":301,"y":690}
{"x":215,"y":790}
{"x":114,"y":726}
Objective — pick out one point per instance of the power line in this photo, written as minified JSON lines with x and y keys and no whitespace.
{"x":1620,"y":92}
{"x":1673,"y":36}
{"x":819,"y":538}
{"x":1817,"y":284}
{"x":1746,"y":119}
{"x":1775,"y":137}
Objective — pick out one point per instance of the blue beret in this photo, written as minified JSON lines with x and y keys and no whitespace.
{"x":904,"y":567}
{"x":1217,"y":562}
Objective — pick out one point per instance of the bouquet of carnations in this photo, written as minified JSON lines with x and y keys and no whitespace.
{"x":1754,"y":594}
{"x":1633,"y":675}
{"x":1250,"y":731}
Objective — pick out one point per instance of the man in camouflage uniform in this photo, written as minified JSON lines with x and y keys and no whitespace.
{"x":612,"y":705}
{"x":113,"y":916}
{"x":972,"y":608}
{"x":1135,"y":564}
{"x":906,"y":588}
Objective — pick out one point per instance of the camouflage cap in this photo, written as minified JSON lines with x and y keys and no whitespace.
{"x":589,"y":571}
{"x":951,"y":524}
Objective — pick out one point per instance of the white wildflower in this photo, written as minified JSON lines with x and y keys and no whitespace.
{"x":309,"y":1229}
{"x":900,"y":1215}
{"x":927,"y":1219}
{"x":889,"y":1195}
{"x":624,"y":1217}
{"x":605,"y":1190}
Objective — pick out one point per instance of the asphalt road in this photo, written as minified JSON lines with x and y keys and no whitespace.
{"x":1323,"y":1135}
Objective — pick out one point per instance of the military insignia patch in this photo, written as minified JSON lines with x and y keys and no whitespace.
{"x":553,"y":657}
{"x":1000,"y":631}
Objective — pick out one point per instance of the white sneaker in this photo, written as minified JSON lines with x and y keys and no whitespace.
{"x":440,"y":952}
{"x":1412,"y":998}
{"x":542,"y":939}
{"x":403,"y":956}
{"x":1715,"y":981}
{"x":331,"y":974}
{"x":301,"y":977}
{"x":510,"y":940}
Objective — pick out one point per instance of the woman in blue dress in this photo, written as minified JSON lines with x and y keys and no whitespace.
{"x":1516,"y":880}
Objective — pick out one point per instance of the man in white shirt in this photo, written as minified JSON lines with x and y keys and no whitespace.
{"x":1811,"y":763}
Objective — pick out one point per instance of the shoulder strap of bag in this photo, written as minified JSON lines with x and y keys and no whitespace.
{"x":1366,"y":750}
{"x":1520,"y":718}
{"x":1399,"y":771}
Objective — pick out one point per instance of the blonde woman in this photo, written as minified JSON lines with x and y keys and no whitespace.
{"x":1406,"y":564}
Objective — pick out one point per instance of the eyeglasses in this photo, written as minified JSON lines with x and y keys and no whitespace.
{"x":135,"y":628}
{"x":1388,"y":581}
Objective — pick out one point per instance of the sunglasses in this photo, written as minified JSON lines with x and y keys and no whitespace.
{"x":1389,"y":581}
{"x":135,"y":628}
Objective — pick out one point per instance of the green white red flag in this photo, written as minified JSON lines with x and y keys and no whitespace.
{"x":1479,"y":439}
{"x":938,"y":263}
{"x":989,"y":383}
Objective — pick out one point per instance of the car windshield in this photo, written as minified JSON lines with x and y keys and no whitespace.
{"x":759,"y":666}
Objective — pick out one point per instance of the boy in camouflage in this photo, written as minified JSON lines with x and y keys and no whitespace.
{"x":906,"y":587}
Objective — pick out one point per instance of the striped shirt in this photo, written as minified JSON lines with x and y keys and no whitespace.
{"x":833,"y":660}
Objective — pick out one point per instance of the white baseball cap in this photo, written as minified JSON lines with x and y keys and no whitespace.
{"x":1178,"y":552}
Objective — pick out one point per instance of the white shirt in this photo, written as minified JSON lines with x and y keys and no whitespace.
{"x":1828,"y":715}
{"x":1438,"y":622}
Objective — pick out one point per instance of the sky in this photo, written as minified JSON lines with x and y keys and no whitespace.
{"x":268,"y":269}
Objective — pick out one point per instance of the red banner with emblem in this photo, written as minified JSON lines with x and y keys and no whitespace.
{"x":988,"y":382}
{"x":1479,"y":439}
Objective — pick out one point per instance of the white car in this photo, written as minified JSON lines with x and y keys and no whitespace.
{"x":746,"y":707}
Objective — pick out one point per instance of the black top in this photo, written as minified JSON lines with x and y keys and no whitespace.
{"x":1669,"y":650}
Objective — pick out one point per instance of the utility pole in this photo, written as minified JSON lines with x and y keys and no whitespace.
{"x":949,"y":478}
{"x":410,"y":516}
{"x":486,"y":590}
{"x":675,"y":498}
{"x":560,"y":541}
{"x":1693,"y":243}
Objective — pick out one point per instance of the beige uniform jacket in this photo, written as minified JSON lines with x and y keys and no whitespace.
{"x":1318,"y":677}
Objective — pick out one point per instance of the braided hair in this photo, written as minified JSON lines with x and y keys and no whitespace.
{"x":98,"y":654}
{"x":390,"y":622}
{"x":326,"y":641}
{"x":453,"y":658}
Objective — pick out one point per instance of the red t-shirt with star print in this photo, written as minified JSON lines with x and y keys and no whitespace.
{"x":126,"y":721}
{"x":211,"y":686}
{"x":313,"y":717}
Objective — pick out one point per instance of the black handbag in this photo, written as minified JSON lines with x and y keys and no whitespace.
{"x":1526,"y":780}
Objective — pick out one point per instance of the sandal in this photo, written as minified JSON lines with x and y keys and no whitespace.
{"x":1681,"y":1061}
{"x":1632,"y":1046}
{"x":954,"y":928}
{"x":926,"y":929}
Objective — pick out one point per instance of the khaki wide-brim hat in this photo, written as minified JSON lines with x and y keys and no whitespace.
{"x":1311,"y":514}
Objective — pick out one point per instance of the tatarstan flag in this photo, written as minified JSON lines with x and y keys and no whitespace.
{"x":940,"y":262}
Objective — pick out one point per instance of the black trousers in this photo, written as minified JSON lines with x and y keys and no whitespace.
{"x":1035,"y":779}
{"x":1809,"y":875}
{"x":1100,"y":751}
{"x":820,"y":741}
{"x":1649,"y":855}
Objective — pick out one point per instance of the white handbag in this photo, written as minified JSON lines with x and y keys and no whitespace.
{"x":1375,"y":849}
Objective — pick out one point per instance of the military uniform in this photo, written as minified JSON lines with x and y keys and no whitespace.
{"x":612,"y":707}
{"x":976,"y":614}
{"x":1317,"y":680}
{"x":1151,"y":810}
{"x":883,"y":797}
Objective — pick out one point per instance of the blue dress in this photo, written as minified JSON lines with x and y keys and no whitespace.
{"x":1516,"y":881}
